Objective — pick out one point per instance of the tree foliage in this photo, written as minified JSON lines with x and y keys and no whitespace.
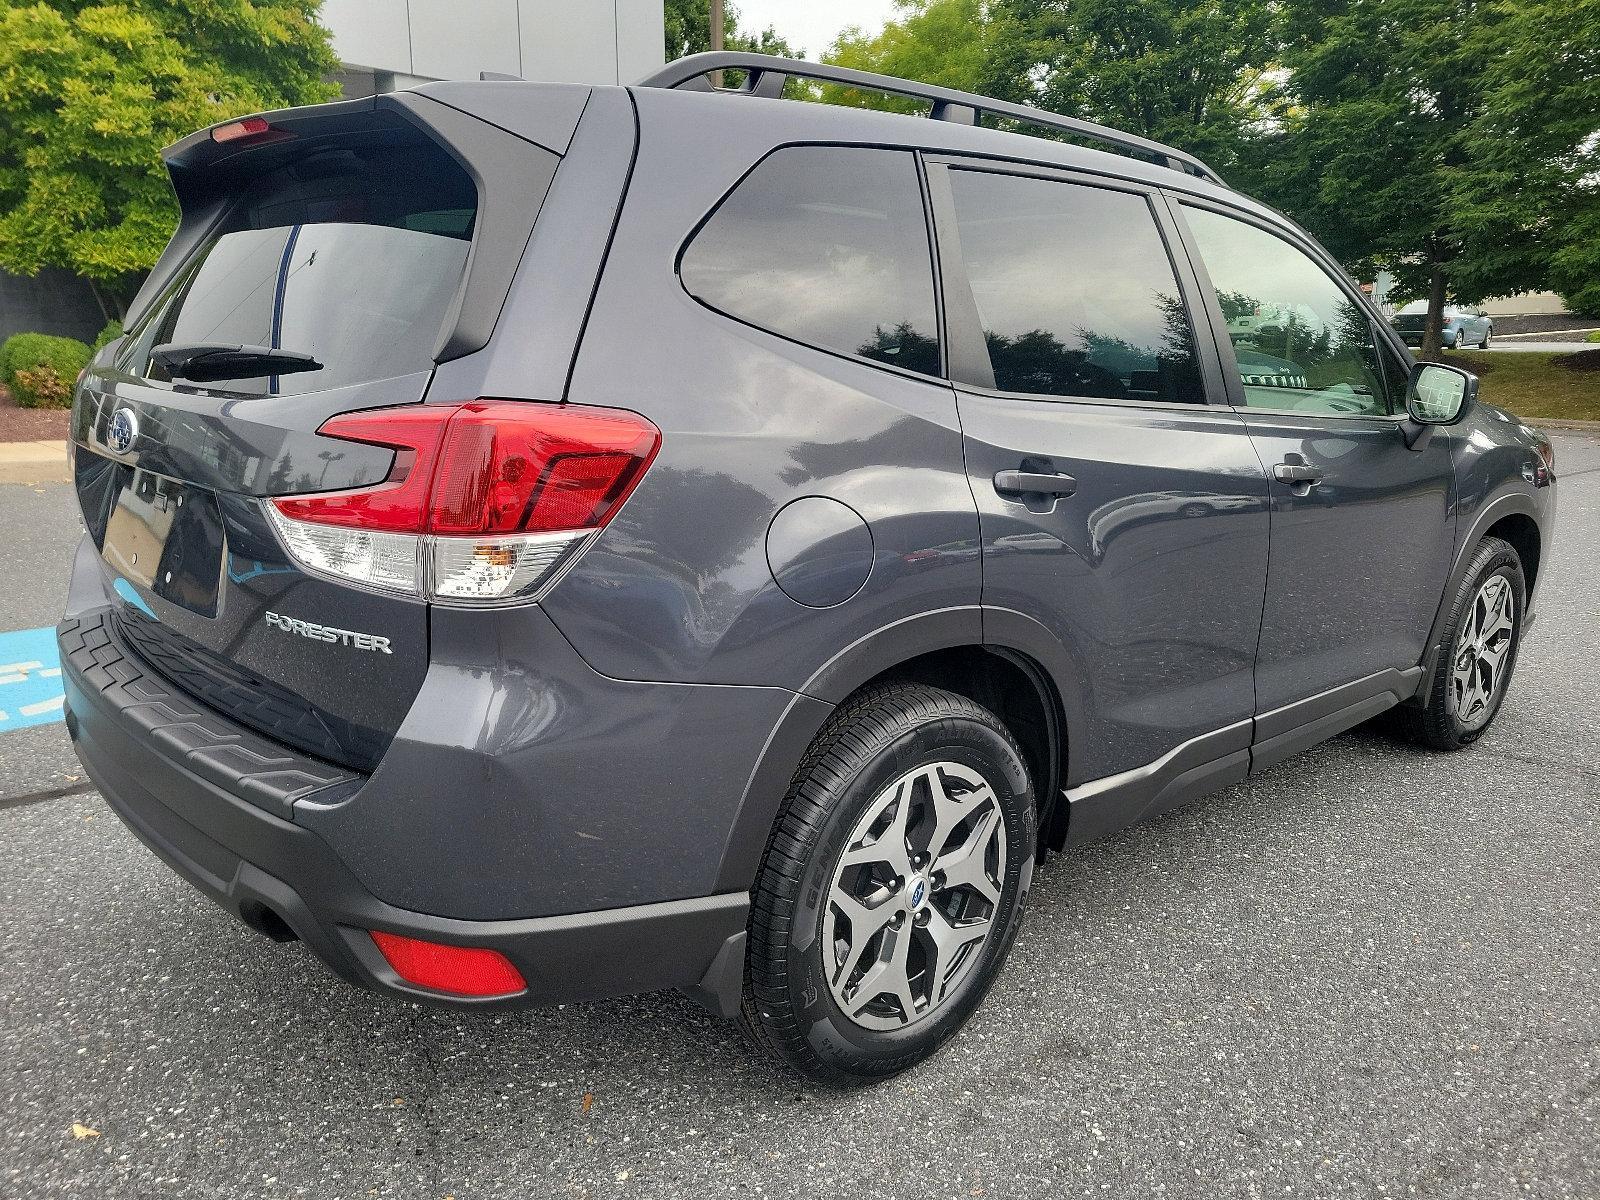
{"x":950,"y":43}
{"x":688,"y":31}
{"x":1174,"y":70}
{"x":1455,"y":147}
{"x":90,"y":93}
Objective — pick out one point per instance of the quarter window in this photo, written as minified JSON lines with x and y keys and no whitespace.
{"x":827,"y":245}
{"x":1303,"y":344}
{"x":1074,"y":289}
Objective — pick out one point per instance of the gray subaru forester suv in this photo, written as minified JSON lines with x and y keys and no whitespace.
{"x":552,"y":542}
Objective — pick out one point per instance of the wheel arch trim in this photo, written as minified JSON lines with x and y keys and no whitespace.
{"x":1013,"y":636}
{"x":1509,"y":503}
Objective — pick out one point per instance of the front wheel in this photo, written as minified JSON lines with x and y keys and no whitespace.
{"x":1487,"y":334}
{"x":892,"y":886}
{"x":1480,"y":650}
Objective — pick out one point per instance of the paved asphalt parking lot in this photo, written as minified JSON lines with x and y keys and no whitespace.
{"x":1367,"y":972}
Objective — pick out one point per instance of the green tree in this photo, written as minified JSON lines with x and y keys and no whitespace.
{"x":949,"y":43}
{"x":90,"y":93}
{"x":1185,"y":73}
{"x":688,"y":30}
{"x":1456,"y":147}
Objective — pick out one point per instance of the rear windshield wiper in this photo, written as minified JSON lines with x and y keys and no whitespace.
{"x":205,"y":361}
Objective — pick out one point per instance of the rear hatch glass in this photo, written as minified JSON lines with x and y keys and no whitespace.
{"x":352,"y":258}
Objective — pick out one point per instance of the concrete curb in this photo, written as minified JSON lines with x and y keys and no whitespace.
{"x":34,"y":462}
{"x":1573,"y":426}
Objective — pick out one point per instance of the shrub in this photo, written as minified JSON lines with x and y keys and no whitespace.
{"x":42,"y":388}
{"x":1593,"y":337}
{"x":40,"y":370}
{"x":110,"y":333}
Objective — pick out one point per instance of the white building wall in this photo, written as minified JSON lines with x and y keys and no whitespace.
{"x":385,"y":44}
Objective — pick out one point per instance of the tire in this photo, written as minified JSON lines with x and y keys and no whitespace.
{"x":1487,"y":334}
{"x":874,"y":766}
{"x":1445,"y":721}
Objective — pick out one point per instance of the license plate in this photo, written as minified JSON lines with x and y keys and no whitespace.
{"x":166,"y":536}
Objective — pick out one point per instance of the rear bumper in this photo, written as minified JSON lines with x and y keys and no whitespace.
{"x":179,"y":790}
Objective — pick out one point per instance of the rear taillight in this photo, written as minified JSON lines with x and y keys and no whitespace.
{"x":485,"y":502}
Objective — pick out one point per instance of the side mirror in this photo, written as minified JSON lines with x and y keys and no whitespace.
{"x":1436,"y":395}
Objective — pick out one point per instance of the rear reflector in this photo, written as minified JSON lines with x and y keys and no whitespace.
{"x":485,"y":503}
{"x":458,"y":970}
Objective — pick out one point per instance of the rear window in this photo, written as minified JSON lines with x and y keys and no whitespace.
{"x":1075,"y":290}
{"x":353,"y":256}
{"x":827,"y":245}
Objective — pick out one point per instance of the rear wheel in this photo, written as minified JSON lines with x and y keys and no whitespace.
{"x":1487,"y":334}
{"x":892,"y":886}
{"x":1480,"y":651}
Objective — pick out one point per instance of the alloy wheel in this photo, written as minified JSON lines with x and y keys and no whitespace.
{"x":914,"y":896}
{"x":1482,"y":653}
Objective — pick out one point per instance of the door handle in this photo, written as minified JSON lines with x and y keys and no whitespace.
{"x":1038,"y":483}
{"x":1296,"y":474}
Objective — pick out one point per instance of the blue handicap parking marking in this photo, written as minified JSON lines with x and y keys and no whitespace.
{"x":30,"y":679}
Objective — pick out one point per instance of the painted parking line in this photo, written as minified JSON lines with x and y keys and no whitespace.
{"x":30,"y":679}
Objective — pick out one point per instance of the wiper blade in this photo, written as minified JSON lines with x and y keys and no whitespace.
{"x":203,"y":362}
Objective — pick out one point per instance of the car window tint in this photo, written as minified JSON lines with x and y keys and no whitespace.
{"x":827,"y":245}
{"x":353,"y":256}
{"x":1302,"y":342}
{"x":1074,"y":289}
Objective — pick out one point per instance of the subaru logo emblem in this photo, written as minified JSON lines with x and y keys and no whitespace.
{"x":124,"y":429}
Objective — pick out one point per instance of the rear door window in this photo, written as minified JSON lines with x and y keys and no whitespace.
{"x":827,"y":245}
{"x":1074,"y":288}
{"x":353,"y":256}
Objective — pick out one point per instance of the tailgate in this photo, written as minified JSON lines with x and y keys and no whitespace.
{"x":327,"y":259}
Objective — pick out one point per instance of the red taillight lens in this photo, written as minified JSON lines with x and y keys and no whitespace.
{"x":489,"y":467}
{"x":458,"y":970}
{"x":529,"y":468}
{"x":400,"y":503}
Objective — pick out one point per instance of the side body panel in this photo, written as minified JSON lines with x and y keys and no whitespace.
{"x":1150,"y":575}
{"x":680,"y":586}
{"x":1359,"y":561}
{"x":1358,"y":557}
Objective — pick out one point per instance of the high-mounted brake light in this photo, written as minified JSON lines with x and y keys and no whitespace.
{"x":485,"y":502}
{"x":253,"y":131}
{"x":459,"y":970}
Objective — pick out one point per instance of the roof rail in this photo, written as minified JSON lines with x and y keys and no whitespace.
{"x":766,"y":74}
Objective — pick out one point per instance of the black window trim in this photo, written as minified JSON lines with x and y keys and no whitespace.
{"x":969,"y":355}
{"x":942,"y":379}
{"x":1289,"y":233}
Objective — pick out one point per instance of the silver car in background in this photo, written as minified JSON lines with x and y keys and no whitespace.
{"x":1463,"y":327}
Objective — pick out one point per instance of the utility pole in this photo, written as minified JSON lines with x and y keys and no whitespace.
{"x":716,"y":37}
